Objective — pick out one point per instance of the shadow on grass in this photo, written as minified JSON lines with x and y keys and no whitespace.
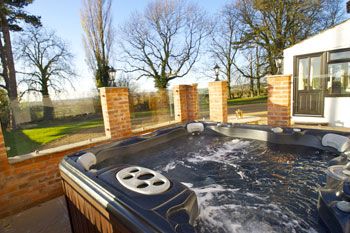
{"x":23,"y":141}
{"x":19,"y":143}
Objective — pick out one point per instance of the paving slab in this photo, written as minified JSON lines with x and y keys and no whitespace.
{"x":48,"y":217}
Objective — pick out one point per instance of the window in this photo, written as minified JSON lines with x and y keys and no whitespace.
{"x":334,"y":56}
{"x":315,"y":73}
{"x":303,"y":73}
{"x":339,"y":73}
{"x":339,"y":78}
{"x":309,"y":75}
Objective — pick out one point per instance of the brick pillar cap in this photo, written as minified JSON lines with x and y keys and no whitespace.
{"x":217,"y":83}
{"x":113,"y":88}
{"x":185,"y":85}
{"x":278,"y":75}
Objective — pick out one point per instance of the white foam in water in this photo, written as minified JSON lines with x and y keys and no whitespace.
{"x":224,"y":217}
{"x":218,"y":155}
{"x":236,"y":218}
{"x":229,"y":209}
{"x":189,"y":185}
{"x":170,"y":166}
{"x":242,"y":175}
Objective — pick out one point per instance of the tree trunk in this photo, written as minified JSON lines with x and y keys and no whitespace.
{"x":4,"y":64}
{"x":251,"y":87}
{"x":258,"y":86}
{"x":229,"y":82}
{"x":162,"y":105}
{"x":10,"y":69}
{"x":257,"y":70}
{"x":48,"y":108}
{"x":47,"y":103}
{"x":160,"y":82}
{"x":12,"y":85}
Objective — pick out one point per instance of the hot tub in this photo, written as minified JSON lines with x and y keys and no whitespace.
{"x":223,"y":179}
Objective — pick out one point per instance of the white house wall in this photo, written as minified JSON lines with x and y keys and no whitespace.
{"x":331,"y":39}
{"x":337,"y":111}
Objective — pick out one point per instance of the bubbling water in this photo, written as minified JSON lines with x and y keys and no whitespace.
{"x":244,"y":185}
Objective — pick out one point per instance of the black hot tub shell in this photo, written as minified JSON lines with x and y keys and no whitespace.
{"x":97,"y":202}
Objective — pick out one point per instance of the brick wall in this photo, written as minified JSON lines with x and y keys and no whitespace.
{"x":36,"y":179}
{"x":116,"y":112}
{"x":3,"y":156}
{"x":218,"y":101}
{"x":185,"y":102}
{"x":28,"y":183}
{"x":279,"y":100}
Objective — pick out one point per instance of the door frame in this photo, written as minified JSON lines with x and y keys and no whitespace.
{"x":296,"y":59}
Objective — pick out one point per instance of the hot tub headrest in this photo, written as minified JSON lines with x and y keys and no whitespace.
{"x":339,"y":142}
{"x":277,"y":130}
{"x":87,"y":160}
{"x":195,"y":127}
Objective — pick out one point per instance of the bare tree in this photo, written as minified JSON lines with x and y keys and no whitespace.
{"x":164,"y":41}
{"x":98,"y":39}
{"x":224,"y":40}
{"x":47,"y":64}
{"x":125,"y":80}
{"x":254,"y":67}
{"x":277,"y":24}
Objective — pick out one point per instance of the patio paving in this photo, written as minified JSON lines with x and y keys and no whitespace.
{"x":49,"y":217}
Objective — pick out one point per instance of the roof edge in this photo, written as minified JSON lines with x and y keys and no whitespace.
{"x":319,"y":33}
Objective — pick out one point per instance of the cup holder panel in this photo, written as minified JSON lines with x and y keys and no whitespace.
{"x":143,"y":180}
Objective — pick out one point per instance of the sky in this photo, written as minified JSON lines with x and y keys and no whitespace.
{"x":63,"y":16}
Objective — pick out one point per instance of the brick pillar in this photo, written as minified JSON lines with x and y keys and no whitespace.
{"x":279,"y":100}
{"x":116,"y":112}
{"x":185,"y":102}
{"x":218,"y":101}
{"x":3,"y":154}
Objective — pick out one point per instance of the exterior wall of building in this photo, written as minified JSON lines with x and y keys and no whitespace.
{"x":328,"y":40}
{"x":278,"y":102}
{"x":337,"y":111}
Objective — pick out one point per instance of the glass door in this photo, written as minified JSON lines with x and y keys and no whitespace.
{"x":309,"y":86}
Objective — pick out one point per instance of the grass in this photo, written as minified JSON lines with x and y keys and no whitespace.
{"x":249,"y":100}
{"x":23,"y":141}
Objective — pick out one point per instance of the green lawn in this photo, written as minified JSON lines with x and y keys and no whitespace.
{"x":23,"y":141}
{"x":249,"y":100}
